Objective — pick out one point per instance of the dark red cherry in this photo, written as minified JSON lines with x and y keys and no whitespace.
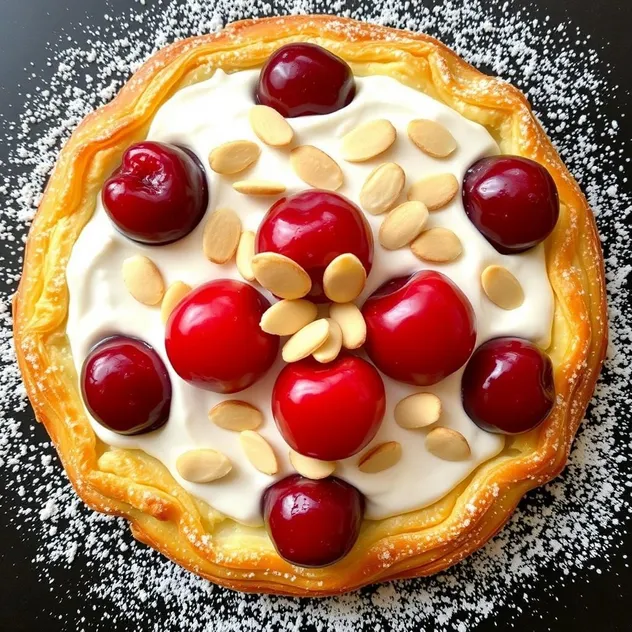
{"x":513,"y":202}
{"x":158,"y":194}
{"x":126,"y":386}
{"x":313,"y":228}
{"x":312,"y":523}
{"x":420,"y":329}
{"x":508,"y":386}
{"x":329,"y":411}
{"x":213,"y":338}
{"x":302,"y":79}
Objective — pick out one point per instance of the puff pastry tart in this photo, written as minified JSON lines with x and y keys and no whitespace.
{"x":312,"y":304}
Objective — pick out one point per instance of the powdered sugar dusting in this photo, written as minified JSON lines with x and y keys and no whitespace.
{"x":573,"y":525}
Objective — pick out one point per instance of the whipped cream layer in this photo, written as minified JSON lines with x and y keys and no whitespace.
{"x":215,"y":111}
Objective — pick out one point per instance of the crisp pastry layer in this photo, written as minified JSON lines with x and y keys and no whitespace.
{"x":132,"y":484}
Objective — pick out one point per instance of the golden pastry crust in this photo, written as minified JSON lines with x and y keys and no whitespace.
{"x":133,"y":485}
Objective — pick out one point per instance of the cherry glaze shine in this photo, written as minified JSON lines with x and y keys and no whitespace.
{"x":157,"y":195}
{"x":126,"y":386}
{"x":312,"y":523}
{"x":213,"y":338}
{"x":302,"y":79}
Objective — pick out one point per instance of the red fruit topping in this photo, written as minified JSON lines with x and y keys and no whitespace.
{"x":126,"y":386}
{"x":313,"y":228}
{"x":158,"y":194}
{"x":508,"y":386}
{"x":513,"y":202}
{"x":213,"y":338}
{"x":420,"y":329}
{"x":329,"y":411}
{"x":302,"y":79}
{"x":312,"y":523}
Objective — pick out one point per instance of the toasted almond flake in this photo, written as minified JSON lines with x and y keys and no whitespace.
{"x":259,"y":187}
{"x":330,"y":349}
{"x":434,"y":191}
{"x":351,"y":322}
{"x":402,"y":225}
{"x":447,"y":444}
{"x":311,"y":468}
{"x":270,"y":126}
{"x":502,"y":288}
{"x":382,"y":188}
{"x":438,"y":245}
{"x":221,"y":235}
{"x":143,"y":280}
{"x":233,"y":414}
{"x":285,"y":318}
{"x":316,"y":168}
{"x":380,"y":458}
{"x":418,"y":410}
{"x":202,"y":466}
{"x":368,"y":140}
{"x":281,"y":275}
{"x":174,"y":294}
{"x":259,"y":452}
{"x":233,"y":157}
{"x":431,"y":137}
{"x":344,"y":278}
{"x":305,"y":341}
{"x":245,"y":253}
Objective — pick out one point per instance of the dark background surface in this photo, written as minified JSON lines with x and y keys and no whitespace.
{"x":598,"y":603}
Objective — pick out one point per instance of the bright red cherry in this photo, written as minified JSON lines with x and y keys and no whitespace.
{"x":126,"y":386}
{"x":302,"y":79}
{"x":420,"y":329}
{"x":312,"y":523}
{"x":513,"y":202}
{"x":313,"y":228}
{"x":213,"y":338}
{"x":158,"y":194}
{"x":508,"y":386}
{"x":329,"y":411}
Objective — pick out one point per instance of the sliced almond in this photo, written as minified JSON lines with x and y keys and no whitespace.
{"x":368,"y":140}
{"x":143,"y":280}
{"x":221,"y":235}
{"x":270,"y":126}
{"x":344,"y":278}
{"x":281,"y":275}
{"x":305,"y":341}
{"x":233,"y":414}
{"x":330,"y":349}
{"x":380,"y":458}
{"x":437,"y":245}
{"x":285,"y":318}
{"x":174,"y":294}
{"x":402,"y":225}
{"x":202,"y":466}
{"x":351,"y":323}
{"x":418,"y":410}
{"x":233,"y":157}
{"x":431,"y":137}
{"x":382,"y":188}
{"x":259,"y":187}
{"x":259,"y":452}
{"x":311,"y":468}
{"x":434,"y":191}
{"x":245,"y":253}
{"x":502,"y":288}
{"x":316,"y":168}
{"x":447,"y":444}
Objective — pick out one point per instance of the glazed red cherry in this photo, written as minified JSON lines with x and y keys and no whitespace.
{"x":126,"y":386}
{"x":420,"y":329}
{"x":302,"y":79}
{"x":312,"y":228}
{"x":329,"y":411}
{"x":508,"y":386}
{"x":312,"y":523}
{"x":213,"y":338}
{"x":158,"y":194}
{"x":513,"y":202}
